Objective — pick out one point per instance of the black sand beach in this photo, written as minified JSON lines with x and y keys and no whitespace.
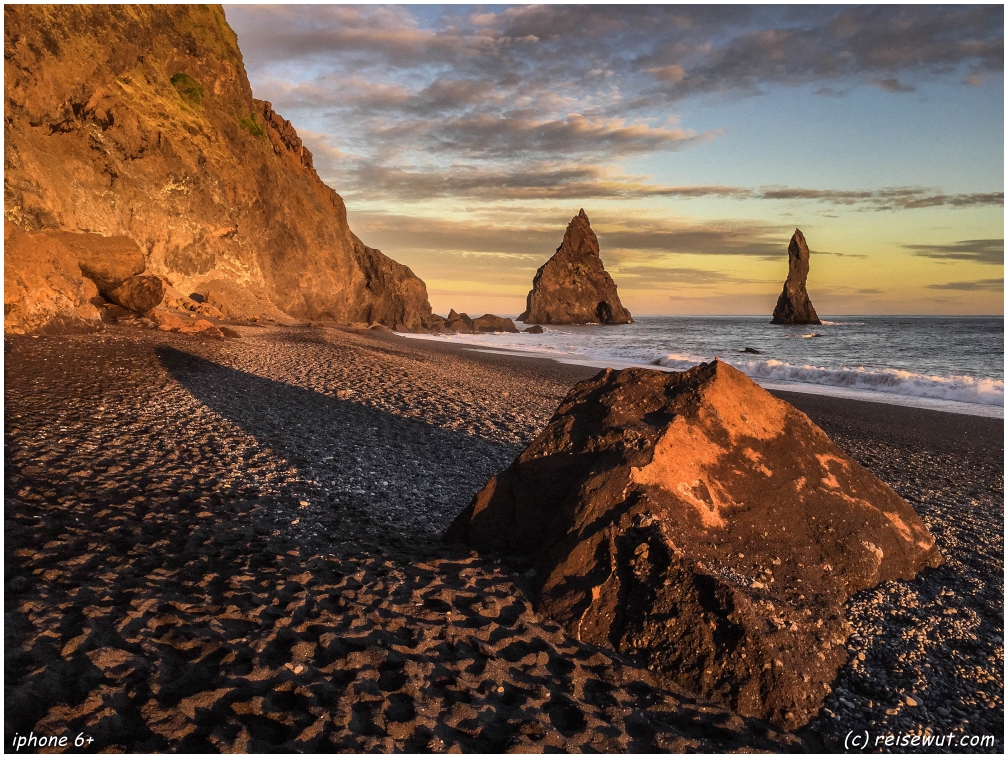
{"x":234,"y":546}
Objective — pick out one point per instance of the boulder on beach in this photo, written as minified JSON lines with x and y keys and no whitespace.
{"x":488,"y":322}
{"x":794,"y":305}
{"x":139,"y":293}
{"x":573,"y":287}
{"x":167,"y":321}
{"x":107,"y":261}
{"x":704,"y":526}
{"x":44,"y":288}
{"x":534,"y":329}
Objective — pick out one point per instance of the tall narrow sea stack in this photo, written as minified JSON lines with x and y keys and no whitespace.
{"x":573,"y":287}
{"x":793,"y":305}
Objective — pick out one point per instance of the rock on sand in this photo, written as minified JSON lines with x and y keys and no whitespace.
{"x":696,"y":521}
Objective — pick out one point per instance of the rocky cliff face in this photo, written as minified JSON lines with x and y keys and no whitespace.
{"x":573,"y":287}
{"x":139,"y":121}
{"x":794,"y":305}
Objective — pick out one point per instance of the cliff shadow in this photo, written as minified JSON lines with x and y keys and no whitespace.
{"x":370,"y":478}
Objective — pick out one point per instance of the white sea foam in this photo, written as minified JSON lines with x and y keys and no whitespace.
{"x":870,"y":362}
{"x":959,"y":389}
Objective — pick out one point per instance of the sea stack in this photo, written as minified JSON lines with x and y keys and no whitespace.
{"x":793,"y":305}
{"x":573,"y":287}
{"x":696,"y":522}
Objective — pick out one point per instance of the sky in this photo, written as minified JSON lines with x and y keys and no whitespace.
{"x":464,"y":138}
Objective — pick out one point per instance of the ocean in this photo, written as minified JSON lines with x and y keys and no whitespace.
{"x":945,"y":363}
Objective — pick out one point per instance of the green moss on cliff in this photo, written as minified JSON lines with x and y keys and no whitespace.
{"x":250,"y":123}
{"x":188,"y":88}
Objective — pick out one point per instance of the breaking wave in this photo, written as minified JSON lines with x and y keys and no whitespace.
{"x":961,"y":389}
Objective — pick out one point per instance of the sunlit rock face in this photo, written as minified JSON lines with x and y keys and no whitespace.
{"x":794,"y":305}
{"x":139,"y":122}
{"x":573,"y":287}
{"x":698,"y":522}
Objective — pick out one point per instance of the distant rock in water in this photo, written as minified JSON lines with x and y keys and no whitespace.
{"x":491,"y":323}
{"x":460,"y":323}
{"x":573,"y":287}
{"x":793,"y":305}
{"x":697,"y":522}
{"x":140,"y":125}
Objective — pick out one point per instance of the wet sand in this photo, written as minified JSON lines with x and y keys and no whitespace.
{"x":234,"y":546}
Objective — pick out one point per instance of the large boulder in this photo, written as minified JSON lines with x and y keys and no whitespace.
{"x":794,"y":305}
{"x":141,"y":124}
{"x":107,"y":261}
{"x":573,"y":287}
{"x":139,"y":293}
{"x":702,"y":525}
{"x":44,"y":288}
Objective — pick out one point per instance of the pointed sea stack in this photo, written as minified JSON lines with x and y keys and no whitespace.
{"x":697,"y":522}
{"x":573,"y":287}
{"x":793,"y":305}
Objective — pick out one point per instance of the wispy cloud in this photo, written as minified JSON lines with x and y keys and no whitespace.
{"x":977,"y":251}
{"x":893,"y":85}
{"x":633,"y":245}
{"x":976,"y":285}
{"x":548,"y":180}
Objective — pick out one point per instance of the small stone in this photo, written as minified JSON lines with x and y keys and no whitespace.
{"x":909,"y":701}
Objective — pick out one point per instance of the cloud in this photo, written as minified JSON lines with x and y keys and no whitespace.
{"x":977,"y":285}
{"x":395,"y":231}
{"x":663,"y":277}
{"x":545,"y":180}
{"x":893,"y":198}
{"x":990,"y":251}
{"x":893,"y":85}
{"x":634,"y":244}
{"x":607,"y":61}
{"x":714,"y":238}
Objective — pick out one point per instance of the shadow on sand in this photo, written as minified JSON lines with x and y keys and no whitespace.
{"x":370,"y":477}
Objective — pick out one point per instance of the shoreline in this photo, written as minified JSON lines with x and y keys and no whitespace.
{"x":235,"y":545}
{"x":592,"y":367}
{"x":811,"y":388}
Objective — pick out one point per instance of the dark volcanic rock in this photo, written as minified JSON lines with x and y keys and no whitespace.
{"x":488,"y":322}
{"x":573,"y":287}
{"x":696,"y":521}
{"x":141,"y":124}
{"x":139,"y":293}
{"x":793,"y":305}
{"x":459,"y":323}
{"x":534,"y":329}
